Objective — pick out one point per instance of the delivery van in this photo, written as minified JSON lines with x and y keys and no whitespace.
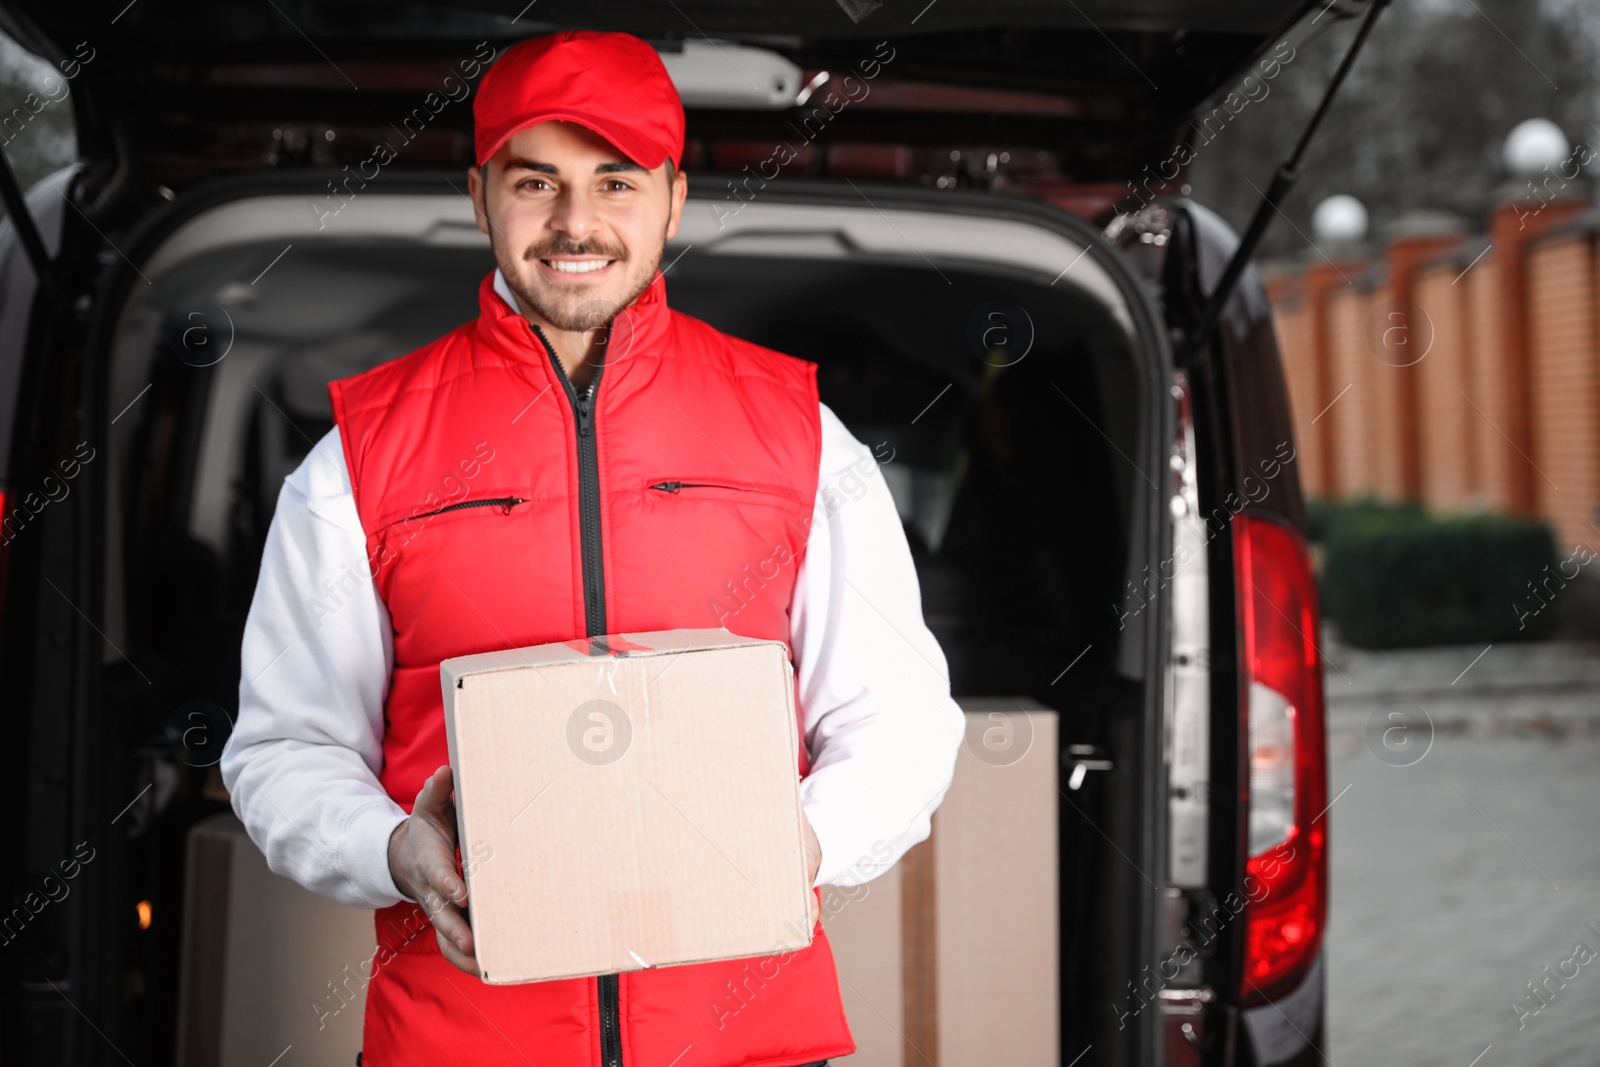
{"x":972,"y":218}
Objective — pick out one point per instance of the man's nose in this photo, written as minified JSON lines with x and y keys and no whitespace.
{"x":574,"y":215}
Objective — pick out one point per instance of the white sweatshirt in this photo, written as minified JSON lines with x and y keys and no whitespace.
{"x":302,"y":761}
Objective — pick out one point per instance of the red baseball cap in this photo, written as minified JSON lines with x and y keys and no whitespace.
{"x":613,"y":83}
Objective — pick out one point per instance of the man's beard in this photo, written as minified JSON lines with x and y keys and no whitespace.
{"x":592,"y":313}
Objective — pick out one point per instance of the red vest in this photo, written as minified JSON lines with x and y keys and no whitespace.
{"x":504,"y":508}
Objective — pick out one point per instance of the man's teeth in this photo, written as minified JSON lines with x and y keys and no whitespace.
{"x":583,"y":267}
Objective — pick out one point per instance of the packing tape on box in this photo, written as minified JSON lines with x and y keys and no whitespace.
{"x":612,"y":645}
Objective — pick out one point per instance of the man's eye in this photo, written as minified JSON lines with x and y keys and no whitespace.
{"x":617,"y":184}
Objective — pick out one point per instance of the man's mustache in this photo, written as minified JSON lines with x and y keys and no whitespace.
{"x":571,"y":249}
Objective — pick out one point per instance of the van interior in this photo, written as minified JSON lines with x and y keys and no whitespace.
{"x":990,"y":364}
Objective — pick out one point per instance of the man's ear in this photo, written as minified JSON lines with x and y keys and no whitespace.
{"x":478,"y":192}
{"x":680,"y":192}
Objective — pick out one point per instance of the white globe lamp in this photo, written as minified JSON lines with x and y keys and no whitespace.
{"x":1534,"y":145}
{"x":1340,"y":219}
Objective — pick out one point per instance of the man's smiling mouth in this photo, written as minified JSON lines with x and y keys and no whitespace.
{"x":577,"y":266}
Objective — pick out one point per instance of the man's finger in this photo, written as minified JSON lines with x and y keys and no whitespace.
{"x":435,"y":794}
{"x":448,"y":919}
{"x":439,"y":875}
{"x":444,"y":890}
{"x":463,"y":960}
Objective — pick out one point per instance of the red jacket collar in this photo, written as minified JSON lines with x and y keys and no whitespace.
{"x":639,"y":327}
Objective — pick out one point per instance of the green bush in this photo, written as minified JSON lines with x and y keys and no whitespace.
{"x":1322,"y":515}
{"x":1396,"y":576}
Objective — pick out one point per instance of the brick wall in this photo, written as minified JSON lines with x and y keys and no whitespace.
{"x":1406,"y":341}
{"x":1491,"y":452}
{"x":1385,"y":343}
{"x":1564,"y":385}
{"x":1444,"y":419}
{"x":1292,"y":322}
{"x":1352,"y":417}
{"x":1503,"y":410}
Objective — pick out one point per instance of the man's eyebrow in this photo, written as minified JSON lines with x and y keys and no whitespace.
{"x":617,"y":167}
{"x":517,"y":163}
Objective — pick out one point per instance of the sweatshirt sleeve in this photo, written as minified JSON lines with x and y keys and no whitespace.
{"x":879,"y":721}
{"x":302,"y":761}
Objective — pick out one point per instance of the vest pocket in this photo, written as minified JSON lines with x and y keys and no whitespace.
{"x":711,"y":489}
{"x":504,"y":503}
{"x":500,"y":504}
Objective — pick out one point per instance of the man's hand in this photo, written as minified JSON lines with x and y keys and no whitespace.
{"x":813,"y":861}
{"x":422,"y":859}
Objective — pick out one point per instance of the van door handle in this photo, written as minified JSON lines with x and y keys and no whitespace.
{"x":1082,"y":759}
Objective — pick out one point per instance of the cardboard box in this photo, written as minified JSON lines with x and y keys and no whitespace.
{"x":265,"y":963}
{"x":626,"y":802}
{"x":952,"y":955}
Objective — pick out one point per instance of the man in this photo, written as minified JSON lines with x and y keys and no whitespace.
{"x":579,"y":460}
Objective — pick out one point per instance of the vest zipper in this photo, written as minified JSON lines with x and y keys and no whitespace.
{"x":594,"y":612}
{"x":505,"y":503}
{"x":594,"y":586}
{"x":610,"y":1038}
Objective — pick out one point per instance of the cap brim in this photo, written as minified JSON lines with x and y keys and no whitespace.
{"x":638,"y":149}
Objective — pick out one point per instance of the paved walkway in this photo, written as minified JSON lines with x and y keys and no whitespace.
{"x":1465,"y":858}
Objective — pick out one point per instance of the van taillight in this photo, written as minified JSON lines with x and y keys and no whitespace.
{"x":1286,"y":869}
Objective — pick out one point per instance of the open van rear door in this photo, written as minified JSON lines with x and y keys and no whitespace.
{"x":1243,"y":960}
